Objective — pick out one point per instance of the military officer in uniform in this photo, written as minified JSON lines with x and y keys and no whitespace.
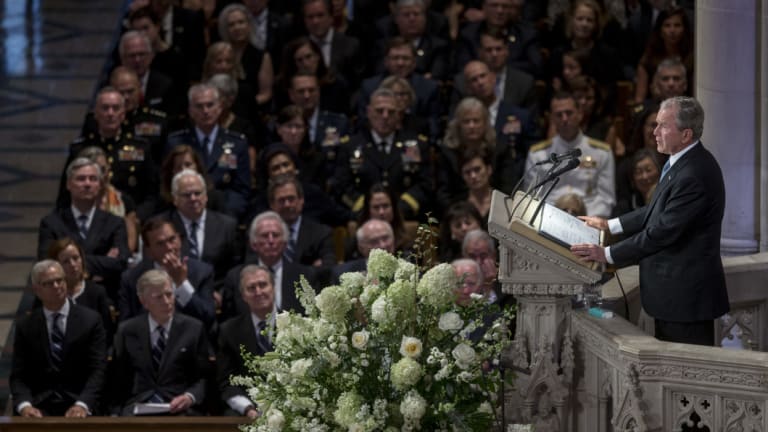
{"x":142,"y":121}
{"x":130,"y":157}
{"x":381,"y":154}
{"x":593,"y":179}
{"x":225,"y":153}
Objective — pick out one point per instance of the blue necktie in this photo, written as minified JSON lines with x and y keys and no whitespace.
{"x":664,"y":170}
{"x":158,"y":348}
{"x":82,"y":225}
{"x":193,"y":248}
{"x":57,"y":341}
{"x":290,"y":248}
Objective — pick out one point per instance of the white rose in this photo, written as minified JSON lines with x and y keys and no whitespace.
{"x":464,"y":355}
{"x":450,"y":321}
{"x":380,"y":310}
{"x":275,"y":420}
{"x":410,"y":347}
{"x":360,"y":339}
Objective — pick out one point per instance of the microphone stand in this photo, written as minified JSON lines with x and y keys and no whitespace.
{"x":533,"y":186}
{"x":554,"y":181}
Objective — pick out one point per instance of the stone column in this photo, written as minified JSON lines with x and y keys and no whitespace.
{"x":727,"y":77}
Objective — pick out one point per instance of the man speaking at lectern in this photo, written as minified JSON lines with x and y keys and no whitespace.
{"x":676,"y":237}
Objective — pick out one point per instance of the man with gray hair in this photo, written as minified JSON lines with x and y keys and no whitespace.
{"x":159,"y":356}
{"x":471,"y":280}
{"x":676,"y":237}
{"x":670,"y":79}
{"x":478,"y":246}
{"x":253,"y":329}
{"x":382,"y":154}
{"x":268,"y":237}
{"x":224,"y":153}
{"x":373,"y":234}
{"x":101,"y":234}
{"x":59,"y":352}
{"x":157,"y":89}
{"x":208,"y":235}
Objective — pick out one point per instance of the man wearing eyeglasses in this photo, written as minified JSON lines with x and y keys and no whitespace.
{"x":380,"y":153}
{"x":192,"y":280}
{"x":209,"y":236}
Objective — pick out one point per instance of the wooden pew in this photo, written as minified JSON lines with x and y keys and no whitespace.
{"x":123,"y":424}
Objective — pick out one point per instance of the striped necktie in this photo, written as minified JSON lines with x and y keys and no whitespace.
{"x":158,"y":348}
{"x":57,"y":340}
{"x":290,"y":249}
{"x":82,"y":225}
{"x":194,"y":251}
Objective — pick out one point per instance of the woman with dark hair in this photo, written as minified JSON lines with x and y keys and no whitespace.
{"x":460,"y":218}
{"x":672,"y":37}
{"x":178,"y":158}
{"x":380,"y":203}
{"x":643,"y":178}
{"x":477,"y":171}
{"x":595,"y":122}
{"x":303,"y":55}
{"x":291,"y":128}
{"x":80,"y":290}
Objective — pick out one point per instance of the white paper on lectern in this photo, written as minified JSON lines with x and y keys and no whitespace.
{"x":151,"y":408}
{"x":566,"y":229}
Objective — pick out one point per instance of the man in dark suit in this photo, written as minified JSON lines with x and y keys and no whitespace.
{"x":192,"y":280}
{"x":183,"y":29}
{"x":269,"y":30}
{"x":160,"y":356}
{"x":676,"y":237}
{"x":224,"y":153}
{"x":100,"y":234}
{"x":373,"y":234}
{"x":157,"y":89}
{"x":253,"y":330}
{"x":309,"y":242}
{"x":209,"y":236}
{"x":382,"y":154}
{"x":268,"y":238}
{"x":340,"y":51}
{"x":59,"y":352}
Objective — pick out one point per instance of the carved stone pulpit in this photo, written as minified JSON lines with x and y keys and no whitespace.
{"x":543,"y":276}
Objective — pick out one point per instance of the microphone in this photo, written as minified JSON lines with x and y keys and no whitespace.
{"x":572,"y":164}
{"x":555,"y":158}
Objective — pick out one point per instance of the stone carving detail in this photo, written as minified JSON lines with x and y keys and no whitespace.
{"x":542,"y":289}
{"x":630,"y":415}
{"x":706,"y":375}
{"x":694,"y":411}
{"x":518,"y":352}
{"x":522,"y":264}
{"x":567,"y":358}
{"x":743,"y":415}
{"x":594,"y":343}
{"x":744,"y":321}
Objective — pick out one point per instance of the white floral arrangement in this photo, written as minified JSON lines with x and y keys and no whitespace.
{"x":382,"y":351}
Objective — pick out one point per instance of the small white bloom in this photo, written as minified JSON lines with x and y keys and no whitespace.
{"x":464,"y":355}
{"x":413,"y":407}
{"x":410,"y":347}
{"x":450,"y":321}
{"x":275,"y":419}
{"x":360,"y":339}
{"x":299,"y":367}
{"x":380,"y":310}
{"x":282,"y":320}
{"x":485,"y":408}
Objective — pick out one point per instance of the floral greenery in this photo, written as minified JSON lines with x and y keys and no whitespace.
{"x":384,"y":351}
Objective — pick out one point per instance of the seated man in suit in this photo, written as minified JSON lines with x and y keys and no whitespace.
{"x":340,"y":51}
{"x":191,"y":280}
{"x":373,"y":234}
{"x":160,"y":356}
{"x":257,"y":289}
{"x":102,"y":235}
{"x":310,"y":242}
{"x":59,"y":352}
{"x":268,"y":238}
{"x":471,"y":277}
{"x":209,"y":236}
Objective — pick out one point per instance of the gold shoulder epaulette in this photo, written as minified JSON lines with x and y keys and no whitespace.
{"x":541,"y":145}
{"x":598,"y":144}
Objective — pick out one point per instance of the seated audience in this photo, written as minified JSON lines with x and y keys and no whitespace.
{"x":460,"y":218}
{"x":373,"y":234}
{"x":643,"y":178}
{"x":572,"y":204}
{"x":477,"y":171}
{"x":179,"y":158}
{"x":379,"y":203}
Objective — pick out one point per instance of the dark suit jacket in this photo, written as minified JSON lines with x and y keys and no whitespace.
{"x":676,"y":240}
{"x":189,"y":37}
{"x":522,"y":40}
{"x":183,"y":367}
{"x":518,"y":90}
{"x":201,"y":306}
{"x":315,"y":241}
{"x":221,"y":247}
{"x":236,"y":332}
{"x":106,"y":231}
{"x":233,"y":304}
{"x":94,"y":297}
{"x":345,"y":58}
{"x":432,"y":54}
{"x":34,"y":378}
{"x":427,"y":103}
{"x":161,"y":93}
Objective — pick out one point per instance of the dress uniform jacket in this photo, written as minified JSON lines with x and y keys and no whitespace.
{"x":593,"y":180}
{"x":405,"y":170}
{"x":145,"y":123}
{"x":227,"y":166}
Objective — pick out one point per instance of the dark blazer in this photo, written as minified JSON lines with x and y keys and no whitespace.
{"x":676,"y":241}
{"x":189,"y":37}
{"x":427,"y":103}
{"x":232,"y":303}
{"x":201,"y":306}
{"x":162,"y":94}
{"x":94,"y":297}
{"x":35,"y":379}
{"x":432,"y":54}
{"x":314,"y":241}
{"x":182,"y":369}
{"x":518,"y":89}
{"x":106,"y":231}
{"x":345,"y":58}
{"x":522,"y":40}
{"x":236,"y":332}
{"x":221,"y":247}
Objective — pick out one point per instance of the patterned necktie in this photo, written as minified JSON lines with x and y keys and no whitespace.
{"x":57,"y":340}
{"x":263,"y":337}
{"x":664,"y":170}
{"x":193,"y":248}
{"x":82,"y":225}
{"x":158,"y":348}
{"x":290,"y":248}
{"x":206,"y":150}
